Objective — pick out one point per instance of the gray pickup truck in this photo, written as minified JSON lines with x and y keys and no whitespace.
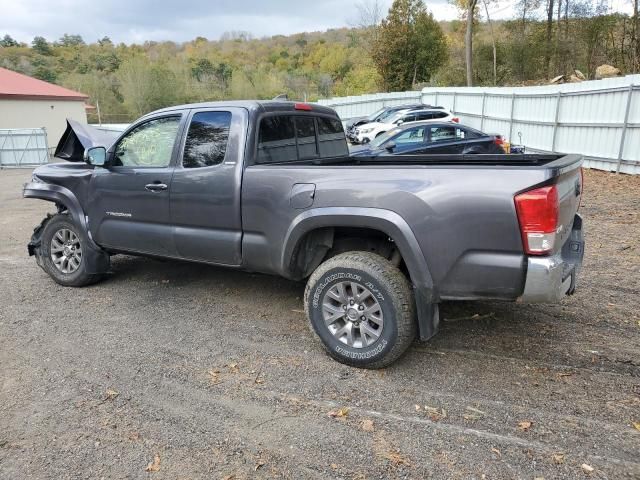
{"x":270,"y":187}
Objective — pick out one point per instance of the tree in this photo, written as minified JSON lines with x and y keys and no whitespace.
{"x":70,"y":40}
{"x":41,"y":46}
{"x":7,"y":42}
{"x":547,"y":50}
{"x":410,"y":46}
{"x":468,"y":41}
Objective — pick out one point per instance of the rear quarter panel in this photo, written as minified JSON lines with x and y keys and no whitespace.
{"x":463,"y":218}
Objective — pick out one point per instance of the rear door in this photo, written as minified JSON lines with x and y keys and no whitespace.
{"x":205,"y":191}
{"x":128,"y":208}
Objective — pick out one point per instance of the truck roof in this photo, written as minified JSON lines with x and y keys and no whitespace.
{"x":253,"y":106}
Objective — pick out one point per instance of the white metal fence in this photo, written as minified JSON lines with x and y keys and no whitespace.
{"x":598,"y":119}
{"x":23,"y":147}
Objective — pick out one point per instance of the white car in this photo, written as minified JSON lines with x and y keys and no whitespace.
{"x":367,"y":132}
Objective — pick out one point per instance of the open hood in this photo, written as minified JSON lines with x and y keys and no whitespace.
{"x":78,"y":137}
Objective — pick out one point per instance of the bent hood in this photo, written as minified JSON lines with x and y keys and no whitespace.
{"x":78,"y":137}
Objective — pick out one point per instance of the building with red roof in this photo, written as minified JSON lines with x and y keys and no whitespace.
{"x":26,"y":102}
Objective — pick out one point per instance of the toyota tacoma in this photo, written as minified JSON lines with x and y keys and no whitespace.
{"x":269,"y":186}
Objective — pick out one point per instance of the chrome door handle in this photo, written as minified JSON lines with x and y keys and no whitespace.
{"x":156,"y":187}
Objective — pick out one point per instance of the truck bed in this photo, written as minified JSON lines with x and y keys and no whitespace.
{"x":506,"y":160}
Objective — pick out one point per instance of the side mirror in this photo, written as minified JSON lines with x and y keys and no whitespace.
{"x":390,"y":147}
{"x":96,"y":156}
{"x":399,"y":122}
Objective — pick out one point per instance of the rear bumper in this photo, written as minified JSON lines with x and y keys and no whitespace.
{"x":551,"y":278}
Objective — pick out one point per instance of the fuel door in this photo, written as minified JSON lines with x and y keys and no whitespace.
{"x":302,"y":195}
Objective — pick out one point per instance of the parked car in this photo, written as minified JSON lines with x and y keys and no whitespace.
{"x":351,"y":124}
{"x":367,"y":132}
{"x":269,"y":187}
{"x":431,"y":138}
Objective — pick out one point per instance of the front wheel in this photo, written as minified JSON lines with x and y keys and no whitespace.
{"x":61,"y":252}
{"x":362,"y":309}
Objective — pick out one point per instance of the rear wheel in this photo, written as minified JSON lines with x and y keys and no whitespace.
{"x":361,"y":307}
{"x":61,"y":253}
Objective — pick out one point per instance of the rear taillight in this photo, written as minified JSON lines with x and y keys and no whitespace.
{"x":455,"y":119}
{"x":498,"y":140}
{"x":581,"y":186}
{"x":538,"y":217}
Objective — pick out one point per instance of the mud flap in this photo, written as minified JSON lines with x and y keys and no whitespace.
{"x":428,"y":316}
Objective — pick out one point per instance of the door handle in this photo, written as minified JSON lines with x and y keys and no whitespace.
{"x":156,"y":187}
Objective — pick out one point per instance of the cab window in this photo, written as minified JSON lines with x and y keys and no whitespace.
{"x":411,"y":136}
{"x":447,"y":134}
{"x":148,"y":145}
{"x":207,"y":139}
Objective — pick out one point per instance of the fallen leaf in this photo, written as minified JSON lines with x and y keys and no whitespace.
{"x":228,"y":477}
{"x":296,"y":310}
{"x":340,"y":413}
{"x":558,"y":458}
{"x":525,"y":426}
{"x":258,"y":465}
{"x":334,"y":466}
{"x":155,"y":465}
{"x":134,"y":436}
{"x":215,"y":376}
{"x":636,"y":425}
{"x":564,"y":374}
{"x":233,"y":368}
{"x":587,"y":468}
{"x":367,"y":425}
{"x":417,"y":408}
{"x":496,"y":451}
{"x":434,"y":413}
{"x":111,"y":393}
{"x":396,"y":458}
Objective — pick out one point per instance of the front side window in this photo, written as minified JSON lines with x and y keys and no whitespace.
{"x":149,"y":144}
{"x":207,"y":139}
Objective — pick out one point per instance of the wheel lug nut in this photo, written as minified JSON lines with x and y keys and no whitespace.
{"x":362,"y":318}
{"x":344,"y":307}
{"x":361,"y":307}
{"x":351,"y":302}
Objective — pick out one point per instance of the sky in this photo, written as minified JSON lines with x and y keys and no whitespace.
{"x":135,"y":21}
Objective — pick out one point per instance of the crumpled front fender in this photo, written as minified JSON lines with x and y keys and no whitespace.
{"x":96,"y":258}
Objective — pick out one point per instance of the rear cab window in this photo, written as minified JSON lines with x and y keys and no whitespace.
{"x":291,"y":137}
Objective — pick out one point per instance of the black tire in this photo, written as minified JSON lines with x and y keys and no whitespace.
{"x":393,"y":294}
{"x":79,"y":277}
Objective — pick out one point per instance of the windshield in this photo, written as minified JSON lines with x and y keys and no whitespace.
{"x":378,"y":141}
{"x":390,"y":117}
{"x":376,"y":114}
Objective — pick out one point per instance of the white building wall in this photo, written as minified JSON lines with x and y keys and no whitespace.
{"x":50,"y":114}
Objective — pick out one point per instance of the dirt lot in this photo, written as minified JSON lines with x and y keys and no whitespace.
{"x":196,"y":372}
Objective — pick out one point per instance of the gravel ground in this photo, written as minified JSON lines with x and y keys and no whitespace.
{"x":183,"y":371}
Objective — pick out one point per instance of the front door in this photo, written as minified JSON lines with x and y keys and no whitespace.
{"x":129,"y":200}
{"x":205,"y":190}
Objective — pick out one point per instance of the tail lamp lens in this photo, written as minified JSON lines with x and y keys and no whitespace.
{"x":538,"y":217}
